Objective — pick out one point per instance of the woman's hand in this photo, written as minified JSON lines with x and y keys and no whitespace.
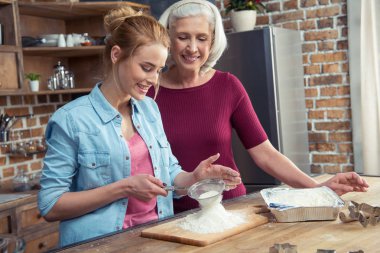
{"x":343,"y":183}
{"x":206,"y":169}
{"x":143,"y":187}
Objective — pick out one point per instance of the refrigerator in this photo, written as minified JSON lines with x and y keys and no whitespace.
{"x":268,"y":62}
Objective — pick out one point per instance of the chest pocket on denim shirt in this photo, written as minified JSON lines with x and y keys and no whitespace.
{"x":95,"y":169}
{"x":164,"y":151}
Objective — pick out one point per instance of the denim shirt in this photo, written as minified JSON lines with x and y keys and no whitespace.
{"x":86,"y":150}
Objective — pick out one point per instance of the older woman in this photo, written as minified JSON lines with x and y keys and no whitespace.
{"x":200,"y":105}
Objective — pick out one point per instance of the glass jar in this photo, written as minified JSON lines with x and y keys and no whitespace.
{"x":30,"y":147}
{"x":40,"y":145}
{"x":20,"y":181}
{"x":35,"y":180}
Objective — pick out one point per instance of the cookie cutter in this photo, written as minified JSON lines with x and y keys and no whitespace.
{"x":364,"y":213}
{"x":334,"y":251}
{"x":283,"y":248}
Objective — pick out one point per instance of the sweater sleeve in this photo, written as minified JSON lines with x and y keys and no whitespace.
{"x":244,"y":119}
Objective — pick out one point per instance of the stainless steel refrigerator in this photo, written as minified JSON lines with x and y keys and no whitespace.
{"x":268,"y":62}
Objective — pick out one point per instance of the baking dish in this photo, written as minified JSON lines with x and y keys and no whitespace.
{"x":292,"y":205}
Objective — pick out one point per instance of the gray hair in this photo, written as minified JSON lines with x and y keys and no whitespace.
{"x":190,"y":8}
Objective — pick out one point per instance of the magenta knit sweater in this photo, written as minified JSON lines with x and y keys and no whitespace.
{"x":198,"y":122}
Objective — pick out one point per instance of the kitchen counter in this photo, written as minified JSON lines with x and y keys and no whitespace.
{"x":308,"y":236}
{"x":13,"y":199}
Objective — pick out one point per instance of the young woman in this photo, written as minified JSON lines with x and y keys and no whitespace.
{"x":108,"y":157}
{"x":200,"y":105}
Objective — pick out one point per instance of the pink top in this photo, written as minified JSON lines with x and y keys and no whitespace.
{"x":138,"y":211}
{"x":198,"y":123}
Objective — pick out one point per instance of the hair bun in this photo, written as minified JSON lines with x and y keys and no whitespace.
{"x":114,"y":18}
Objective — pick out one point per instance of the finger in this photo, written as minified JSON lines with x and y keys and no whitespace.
{"x":156,"y":181}
{"x":364,"y":184}
{"x":211,"y":159}
{"x":162,"y":192}
{"x":341,"y":188}
{"x":230,"y":185}
{"x":158,"y":190}
{"x":232,"y":180}
{"x":227,"y":171}
{"x":358,"y":180}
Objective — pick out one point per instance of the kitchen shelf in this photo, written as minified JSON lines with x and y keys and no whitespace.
{"x":25,"y":154}
{"x":6,"y":1}
{"x":76,"y":10}
{"x":8,"y":48}
{"x":34,"y":19}
{"x":44,"y":92}
{"x":79,"y":51}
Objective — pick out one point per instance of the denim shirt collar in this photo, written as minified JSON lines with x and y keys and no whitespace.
{"x":103,"y":108}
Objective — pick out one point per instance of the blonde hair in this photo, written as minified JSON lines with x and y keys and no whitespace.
{"x":130,"y":29}
{"x":191,"y":8}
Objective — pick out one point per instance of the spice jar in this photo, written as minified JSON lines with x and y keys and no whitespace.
{"x":30,"y":147}
{"x":40,"y":145}
{"x":86,"y":40}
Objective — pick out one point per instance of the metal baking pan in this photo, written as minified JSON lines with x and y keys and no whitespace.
{"x":292,"y":205}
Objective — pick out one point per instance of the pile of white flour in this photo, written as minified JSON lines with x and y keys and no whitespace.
{"x":212,"y":218}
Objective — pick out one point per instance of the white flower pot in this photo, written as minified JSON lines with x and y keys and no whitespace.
{"x":34,"y":85}
{"x":243,"y":20}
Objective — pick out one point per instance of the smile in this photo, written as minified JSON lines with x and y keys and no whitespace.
{"x":143,"y":87}
{"x":190,"y":58}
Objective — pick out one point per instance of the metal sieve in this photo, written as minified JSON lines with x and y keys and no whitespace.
{"x":207,"y":186}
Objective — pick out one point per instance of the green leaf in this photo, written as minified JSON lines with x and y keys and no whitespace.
{"x":32,"y":76}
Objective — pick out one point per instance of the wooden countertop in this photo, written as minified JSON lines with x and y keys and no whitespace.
{"x":308,"y":236}
{"x":32,"y":197}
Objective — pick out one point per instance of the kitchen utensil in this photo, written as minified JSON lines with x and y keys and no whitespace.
{"x":290,"y":205}
{"x":196,"y":190}
{"x":207,"y":191}
{"x":4,"y":136}
{"x":175,"y":188}
{"x":11,"y":244}
{"x":15,"y":119}
{"x":6,"y":120}
{"x":170,"y":231}
{"x":283,"y":248}
{"x":364,"y":213}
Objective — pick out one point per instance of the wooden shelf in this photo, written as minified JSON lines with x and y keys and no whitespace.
{"x":6,"y":2}
{"x":44,"y":92}
{"x":8,"y":48}
{"x":75,"y":10}
{"x":26,"y":154}
{"x":38,"y":18}
{"x":63,"y":51}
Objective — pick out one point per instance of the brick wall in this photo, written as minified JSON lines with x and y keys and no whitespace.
{"x":323,"y":28}
{"x":26,"y":129}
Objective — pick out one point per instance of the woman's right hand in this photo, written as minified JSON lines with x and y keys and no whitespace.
{"x":143,"y":187}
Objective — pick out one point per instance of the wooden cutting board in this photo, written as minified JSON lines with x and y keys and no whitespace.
{"x":170,"y":231}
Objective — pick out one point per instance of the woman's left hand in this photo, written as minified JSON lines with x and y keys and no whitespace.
{"x":343,"y":183}
{"x":206,"y":169}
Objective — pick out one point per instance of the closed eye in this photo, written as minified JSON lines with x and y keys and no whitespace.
{"x":146,"y":68}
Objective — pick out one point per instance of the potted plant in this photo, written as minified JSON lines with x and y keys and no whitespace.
{"x":34,"y":81}
{"x":243,"y":13}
